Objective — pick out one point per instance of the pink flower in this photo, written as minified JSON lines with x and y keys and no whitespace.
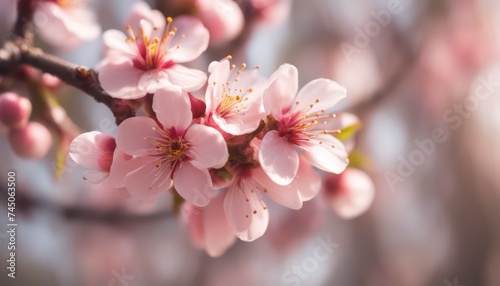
{"x":209,"y":228}
{"x":148,"y":59}
{"x":174,"y":150}
{"x":93,"y":150}
{"x":349,"y":194}
{"x":299,"y":123}
{"x":15,"y":110}
{"x":32,"y":141}
{"x":245,"y":209}
{"x":234,"y":98}
{"x":65,"y":23}
{"x":223,"y":19}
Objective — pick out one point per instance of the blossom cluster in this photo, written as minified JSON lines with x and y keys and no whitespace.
{"x":247,"y":140}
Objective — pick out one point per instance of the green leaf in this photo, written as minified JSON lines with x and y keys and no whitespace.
{"x":348,"y":132}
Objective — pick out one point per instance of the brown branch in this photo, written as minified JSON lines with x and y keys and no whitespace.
{"x":17,"y":52}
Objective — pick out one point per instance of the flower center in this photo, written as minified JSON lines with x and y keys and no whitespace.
{"x":233,"y":100}
{"x":152,"y":49}
{"x":170,"y":148}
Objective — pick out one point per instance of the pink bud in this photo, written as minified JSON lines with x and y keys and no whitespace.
{"x":15,"y":110}
{"x":49,"y":81}
{"x":33,"y":141}
{"x":223,"y":19}
{"x":349,"y":194}
{"x":198,"y":106}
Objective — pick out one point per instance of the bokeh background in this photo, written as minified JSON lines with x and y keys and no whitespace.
{"x":438,"y":225}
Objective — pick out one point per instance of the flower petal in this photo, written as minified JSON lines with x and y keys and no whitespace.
{"x":95,"y":176}
{"x":142,"y":11}
{"x":122,"y":165}
{"x":287,"y":196}
{"x":219,"y":74}
{"x":135,"y":135}
{"x":278,"y":158}
{"x":152,"y":80}
{"x":188,"y":79}
{"x":207,"y":147}
{"x":120,"y":78}
{"x":278,"y":97}
{"x":320,"y":94}
{"x":116,"y":40}
{"x":172,"y":108}
{"x":148,"y":181}
{"x":195,"y":41}
{"x":84,"y":151}
{"x":329,"y":156}
{"x":307,"y":181}
{"x":219,"y":235}
{"x":193,"y":184}
{"x":246,"y":212}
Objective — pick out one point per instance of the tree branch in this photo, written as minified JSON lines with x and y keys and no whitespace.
{"x":17,"y":52}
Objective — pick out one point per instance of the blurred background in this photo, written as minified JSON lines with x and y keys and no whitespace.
{"x":412,"y":69}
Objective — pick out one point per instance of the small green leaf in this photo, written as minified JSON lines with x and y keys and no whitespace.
{"x":348,"y":132}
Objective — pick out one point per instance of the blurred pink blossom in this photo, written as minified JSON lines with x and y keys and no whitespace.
{"x":65,"y":24}
{"x":349,"y":194}
{"x":32,"y":141}
{"x":15,"y":110}
{"x":223,"y":19}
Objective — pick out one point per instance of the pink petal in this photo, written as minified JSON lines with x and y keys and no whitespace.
{"x":246,"y":212}
{"x":116,"y":40}
{"x":207,"y":147}
{"x":152,"y":80}
{"x":321,"y":94}
{"x":120,"y":78}
{"x":219,"y":74}
{"x":122,"y":165}
{"x":194,"y":218}
{"x":354,"y":195}
{"x":340,"y":121}
{"x":307,"y":181}
{"x":142,"y":11}
{"x":95,"y":176}
{"x":188,"y":79}
{"x":278,"y":158}
{"x":195,"y":41}
{"x":287,"y":196}
{"x":135,"y":136}
{"x":193,"y":184}
{"x":219,"y":235}
{"x":329,"y":156}
{"x":278,"y":97}
{"x":172,"y":108}
{"x":148,"y":181}
{"x":84,"y":151}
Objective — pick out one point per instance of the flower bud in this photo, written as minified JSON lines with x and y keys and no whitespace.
{"x":15,"y":110}
{"x":33,"y":141}
{"x":349,"y":194}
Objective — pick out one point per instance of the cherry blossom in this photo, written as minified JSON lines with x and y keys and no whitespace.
{"x":223,"y":19}
{"x":349,"y":194}
{"x":208,"y":226}
{"x":172,"y":150}
{"x":65,"y":24}
{"x":234,"y":98}
{"x":298,"y":121}
{"x":93,"y":150}
{"x":15,"y":110}
{"x":245,"y":209}
{"x":33,"y":141}
{"x":148,"y":58}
